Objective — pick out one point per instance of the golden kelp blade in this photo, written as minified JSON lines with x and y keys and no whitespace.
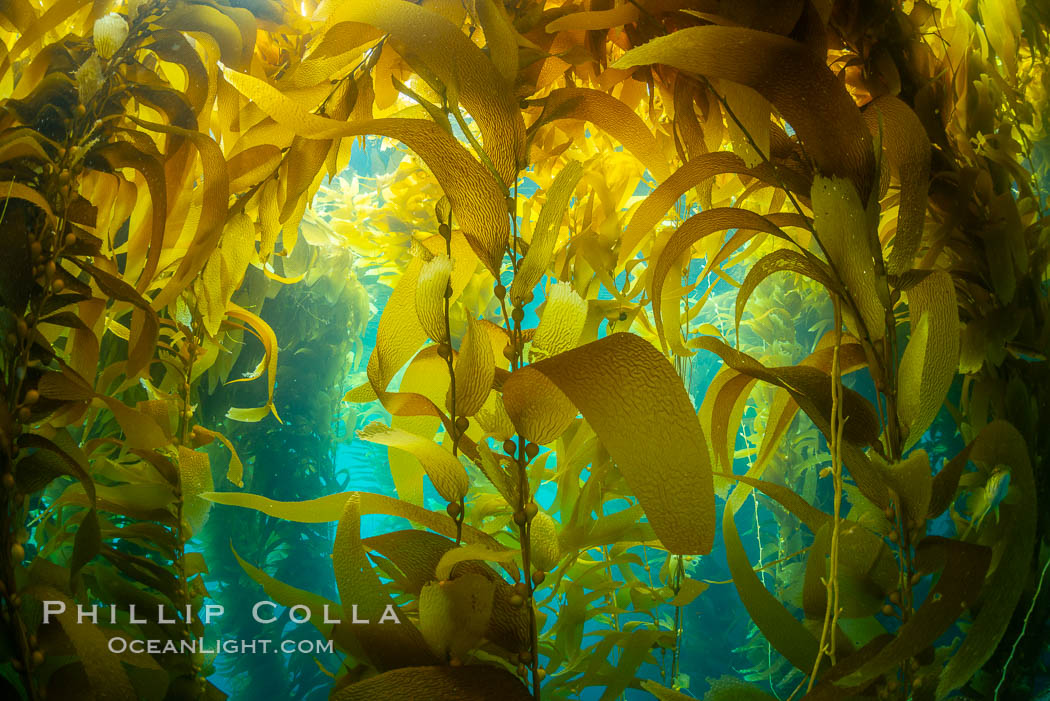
{"x":388,"y":646}
{"x":786,"y":73}
{"x":636,"y":404}
{"x":478,"y":201}
{"x":460,"y":66}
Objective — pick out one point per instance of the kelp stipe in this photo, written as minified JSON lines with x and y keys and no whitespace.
{"x":582,"y":198}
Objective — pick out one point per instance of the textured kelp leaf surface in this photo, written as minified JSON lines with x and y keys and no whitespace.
{"x":475,"y":683}
{"x":789,"y":75}
{"x":931,"y":357}
{"x":636,"y":404}
{"x":387,"y":645}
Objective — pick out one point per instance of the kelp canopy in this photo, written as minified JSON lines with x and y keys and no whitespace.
{"x":842,"y":202}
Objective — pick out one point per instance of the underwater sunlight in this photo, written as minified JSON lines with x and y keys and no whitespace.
{"x":511,"y":350}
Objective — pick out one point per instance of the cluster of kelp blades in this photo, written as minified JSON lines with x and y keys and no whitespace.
{"x":157,"y":165}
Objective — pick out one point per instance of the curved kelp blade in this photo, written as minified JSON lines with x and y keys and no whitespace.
{"x":473,"y":683}
{"x":788,"y":74}
{"x":288,"y":596}
{"x":611,"y":116}
{"x":907,"y":150}
{"x":636,"y":404}
{"x":999,"y":443}
{"x":783,"y":631}
{"x":105,"y":675}
{"x":387,"y":645}
{"x":330,"y":508}
{"x":478,"y":200}
{"x":931,"y":357}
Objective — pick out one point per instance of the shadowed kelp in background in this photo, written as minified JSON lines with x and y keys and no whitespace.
{"x":632,"y":262}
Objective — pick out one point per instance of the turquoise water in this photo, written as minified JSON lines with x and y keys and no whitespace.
{"x":717,"y":636}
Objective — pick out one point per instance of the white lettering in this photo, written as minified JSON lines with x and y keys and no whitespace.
{"x":53,"y":607}
{"x":210,"y":610}
{"x":259,"y":605}
{"x":389,"y":614}
{"x":299,"y":607}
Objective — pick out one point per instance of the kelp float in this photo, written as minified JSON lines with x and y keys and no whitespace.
{"x":638,"y":176}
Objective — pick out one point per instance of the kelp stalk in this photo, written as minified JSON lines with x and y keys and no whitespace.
{"x":832,"y":610}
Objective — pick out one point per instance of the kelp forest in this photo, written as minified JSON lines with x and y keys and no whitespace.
{"x":468,"y":350}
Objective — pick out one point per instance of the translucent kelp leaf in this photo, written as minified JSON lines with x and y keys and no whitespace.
{"x":426,"y":381}
{"x":564,"y":315}
{"x":461,"y":67}
{"x":906,"y":148}
{"x":586,"y":20}
{"x":477,"y":199}
{"x":477,"y":551}
{"x":658,"y":203}
{"x":611,"y":116}
{"x":534,"y":264}
{"x":106,"y":677}
{"x":636,"y":404}
{"x":140,"y":431}
{"x":443,"y":468}
{"x":721,"y":413}
{"x":999,"y":443}
{"x":753,"y":112}
{"x":543,"y":539}
{"x":843,"y":227}
{"x":475,"y":368}
{"x":142,"y":340}
{"x":123,"y":155}
{"x":387,"y":645}
{"x":501,"y":39}
{"x":268,"y":364}
{"x":690,"y":589}
{"x":787,"y":73}
{"x":454,"y":614}
{"x":786,"y":634}
{"x":251,"y":166}
{"x":328,"y":508}
{"x":214,"y":208}
{"x":415,"y":553}
{"x":430,"y":296}
{"x":195,"y":478}
{"x":693,"y":229}
{"x":288,"y":596}
{"x":931,"y":357}
{"x":235,"y":471}
{"x":224,"y":271}
{"x":470,"y":683}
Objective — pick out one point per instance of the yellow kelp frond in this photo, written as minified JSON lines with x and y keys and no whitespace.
{"x":622,"y":381}
{"x":267,"y":364}
{"x":564,"y":315}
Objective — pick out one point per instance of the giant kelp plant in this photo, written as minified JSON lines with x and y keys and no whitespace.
{"x":841,"y":203}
